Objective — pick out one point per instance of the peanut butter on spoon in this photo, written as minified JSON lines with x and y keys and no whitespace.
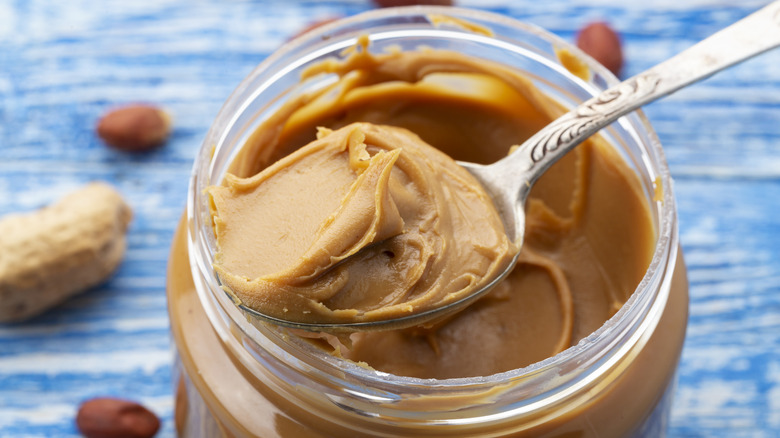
{"x":365,"y":223}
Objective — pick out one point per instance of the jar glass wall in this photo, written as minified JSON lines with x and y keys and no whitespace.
{"x":239,"y":377}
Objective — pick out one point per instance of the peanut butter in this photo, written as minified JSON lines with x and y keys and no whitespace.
{"x":589,"y":235}
{"x":367,"y":222}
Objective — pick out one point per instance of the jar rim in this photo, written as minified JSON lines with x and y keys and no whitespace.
{"x":647,"y":299}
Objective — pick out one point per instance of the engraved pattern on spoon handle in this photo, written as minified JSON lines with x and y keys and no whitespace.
{"x":591,"y":116}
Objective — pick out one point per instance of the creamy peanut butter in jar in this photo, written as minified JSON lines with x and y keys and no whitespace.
{"x":582,"y":339}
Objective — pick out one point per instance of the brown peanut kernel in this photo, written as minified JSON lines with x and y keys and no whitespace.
{"x":393,"y":3}
{"x":134,"y":127}
{"x":601,"y":42}
{"x":116,"y":418}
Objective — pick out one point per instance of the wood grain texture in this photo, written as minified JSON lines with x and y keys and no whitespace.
{"x":63,"y":63}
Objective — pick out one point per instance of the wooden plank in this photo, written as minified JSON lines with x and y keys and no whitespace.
{"x":63,"y":63}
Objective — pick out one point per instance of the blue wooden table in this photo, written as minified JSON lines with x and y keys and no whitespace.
{"x":63,"y":63}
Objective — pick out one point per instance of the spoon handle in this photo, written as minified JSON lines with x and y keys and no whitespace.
{"x":744,"y":39}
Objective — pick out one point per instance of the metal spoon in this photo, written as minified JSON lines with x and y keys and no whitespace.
{"x":510,"y":179}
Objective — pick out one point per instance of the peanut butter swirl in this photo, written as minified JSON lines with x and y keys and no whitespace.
{"x":367,"y":222}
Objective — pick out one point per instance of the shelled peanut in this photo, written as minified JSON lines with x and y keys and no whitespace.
{"x":58,"y":251}
{"x":108,"y":417}
{"x":600,"y":41}
{"x":134,"y":128}
{"x":394,"y":3}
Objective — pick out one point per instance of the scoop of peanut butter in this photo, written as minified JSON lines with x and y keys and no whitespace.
{"x":367,"y":222}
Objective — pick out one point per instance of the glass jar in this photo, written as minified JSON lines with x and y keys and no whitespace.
{"x":238,"y":377}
